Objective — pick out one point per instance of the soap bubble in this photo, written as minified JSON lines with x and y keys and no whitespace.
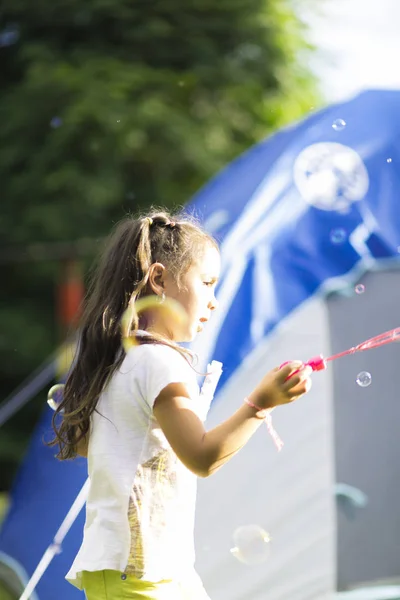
{"x":338,"y":236}
{"x":56,"y":122}
{"x":251,"y":544}
{"x":9,"y":36}
{"x":364,"y":379}
{"x":56,"y":548}
{"x":339,"y":124}
{"x":388,"y":160}
{"x":359,"y":289}
{"x":55,"y":396}
{"x":344,"y":210}
{"x":169,"y":307}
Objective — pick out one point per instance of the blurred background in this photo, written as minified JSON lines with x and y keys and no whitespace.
{"x":109,"y":106}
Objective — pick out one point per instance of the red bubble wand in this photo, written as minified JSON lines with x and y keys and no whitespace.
{"x":319,"y":363}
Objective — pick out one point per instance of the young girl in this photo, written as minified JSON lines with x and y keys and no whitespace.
{"x":138,"y":415}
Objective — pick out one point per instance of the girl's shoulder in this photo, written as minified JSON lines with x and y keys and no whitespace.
{"x":158,"y":353}
{"x":156,"y":365}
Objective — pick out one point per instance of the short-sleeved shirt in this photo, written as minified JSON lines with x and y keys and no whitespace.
{"x":141,"y":501}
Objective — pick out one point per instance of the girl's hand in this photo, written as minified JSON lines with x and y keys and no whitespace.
{"x":278,"y":387}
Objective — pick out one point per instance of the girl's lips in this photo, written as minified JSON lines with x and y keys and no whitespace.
{"x":200,"y":325}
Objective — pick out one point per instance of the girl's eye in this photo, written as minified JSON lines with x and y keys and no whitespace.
{"x":208,"y":283}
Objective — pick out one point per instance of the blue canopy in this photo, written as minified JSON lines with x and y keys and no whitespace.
{"x":302,"y":211}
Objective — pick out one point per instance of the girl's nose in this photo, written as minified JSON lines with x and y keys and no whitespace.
{"x":213,"y":304}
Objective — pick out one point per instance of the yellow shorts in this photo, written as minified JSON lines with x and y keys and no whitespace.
{"x":113,"y":585}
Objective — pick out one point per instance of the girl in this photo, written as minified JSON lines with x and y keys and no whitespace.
{"x":138,"y":415}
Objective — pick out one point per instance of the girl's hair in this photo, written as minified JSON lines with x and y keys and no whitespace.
{"x":120,"y":278}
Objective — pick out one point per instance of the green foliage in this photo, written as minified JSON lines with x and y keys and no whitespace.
{"x":108,"y":106}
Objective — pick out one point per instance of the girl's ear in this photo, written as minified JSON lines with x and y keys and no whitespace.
{"x":156,"y":280}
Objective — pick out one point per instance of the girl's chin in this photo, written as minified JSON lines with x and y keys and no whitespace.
{"x":187,"y":337}
{"x":192,"y":334}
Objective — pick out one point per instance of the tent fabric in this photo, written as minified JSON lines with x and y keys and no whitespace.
{"x":289,"y":494}
{"x":324,"y":212}
{"x":367,"y":443}
{"x":43,"y":492}
{"x":300,"y":215}
{"x":267,"y":208}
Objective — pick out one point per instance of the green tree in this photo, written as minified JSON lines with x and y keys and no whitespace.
{"x":110,"y":105}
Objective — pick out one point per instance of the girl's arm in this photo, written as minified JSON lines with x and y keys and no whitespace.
{"x":203,"y":452}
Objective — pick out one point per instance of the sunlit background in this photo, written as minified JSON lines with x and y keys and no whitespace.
{"x":357,"y":45}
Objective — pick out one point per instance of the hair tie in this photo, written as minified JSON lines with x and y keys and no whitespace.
{"x":149,"y":220}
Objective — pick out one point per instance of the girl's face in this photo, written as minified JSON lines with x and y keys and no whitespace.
{"x":196,"y":294}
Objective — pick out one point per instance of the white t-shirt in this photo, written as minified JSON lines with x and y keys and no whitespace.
{"x":141,"y":499}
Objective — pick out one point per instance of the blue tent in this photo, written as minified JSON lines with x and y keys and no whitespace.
{"x":43,"y":492}
{"x":319,"y":197}
{"x":301,"y":215}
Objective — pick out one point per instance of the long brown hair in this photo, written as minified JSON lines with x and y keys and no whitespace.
{"x":120,"y":278}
